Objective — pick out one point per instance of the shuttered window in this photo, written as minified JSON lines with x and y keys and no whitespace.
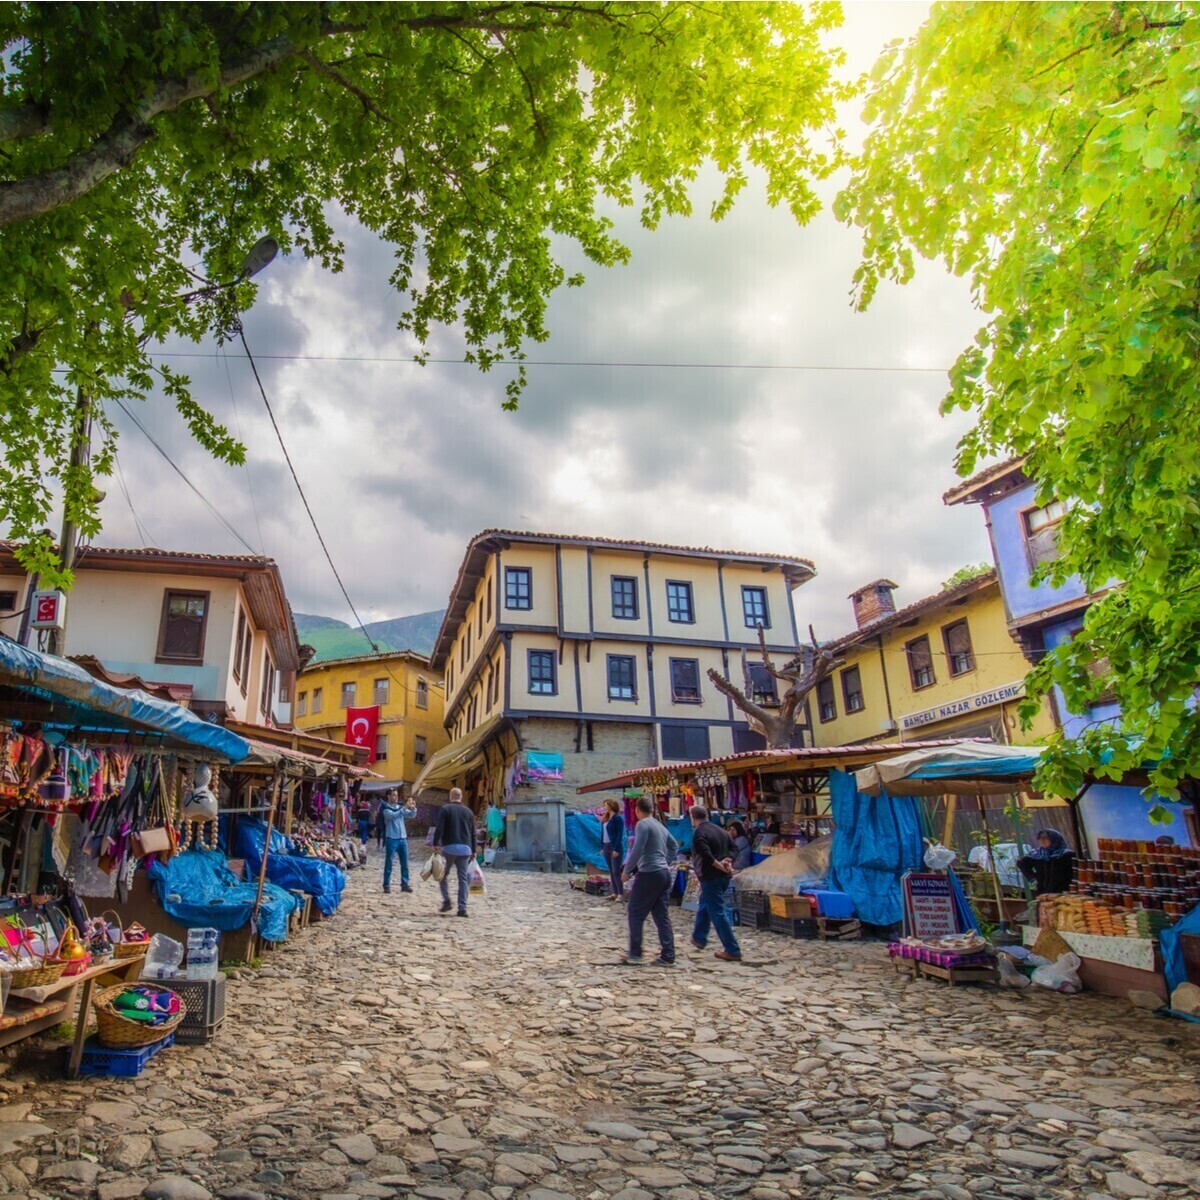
{"x":852,"y":694}
{"x":826,"y":704}
{"x":957,"y":638}
{"x":920,"y":662}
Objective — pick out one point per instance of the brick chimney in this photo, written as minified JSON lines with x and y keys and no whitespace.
{"x":873,"y":601}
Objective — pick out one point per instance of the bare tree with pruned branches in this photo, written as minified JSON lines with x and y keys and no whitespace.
{"x":778,"y":725}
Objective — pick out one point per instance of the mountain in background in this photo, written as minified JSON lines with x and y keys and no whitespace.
{"x":336,"y":639}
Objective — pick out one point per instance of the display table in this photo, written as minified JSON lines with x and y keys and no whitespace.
{"x":33,"y":1010}
{"x":1112,"y":965}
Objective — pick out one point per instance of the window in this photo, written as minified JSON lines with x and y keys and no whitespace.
{"x":826,"y":704}
{"x":283,"y":692}
{"x":422,"y":694}
{"x":518,"y":588}
{"x":420,"y":749}
{"x":957,"y":639}
{"x":489,"y":596}
{"x":852,"y":690}
{"x":381,"y":747}
{"x":685,"y":742}
{"x":8,"y":601}
{"x":622,"y":677}
{"x":267,"y":699}
{"x":480,"y":622}
{"x":679,"y":603}
{"x":382,"y":691}
{"x":239,"y":650}
{"x":318,"y":699}
{"x":541,"y":673}
{"x":624,"y":598}
{"x":685,"y":680}
{"x":301,"y":703}
{"x":1041,"y":531}
{"x":745,"y":738}
{"x":349,"y":694}
{"x":754,"y":608}
{"x":184,"y":620}
{"x":920,"y":663}
{"x":762,"y":685}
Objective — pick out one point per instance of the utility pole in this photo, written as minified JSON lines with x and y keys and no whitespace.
{"x":68,"y":542}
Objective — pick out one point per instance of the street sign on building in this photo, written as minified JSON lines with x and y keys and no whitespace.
{"x":962,"y":706}
{"x":49,"y":610}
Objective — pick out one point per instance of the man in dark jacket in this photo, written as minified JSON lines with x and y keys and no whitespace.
{"x":454,"y":836}
{"x":712,"y":860}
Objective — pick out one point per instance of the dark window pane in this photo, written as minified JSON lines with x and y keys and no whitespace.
{"x":826,"y":705}
{"x":958,"y":647}
{"x":685,"y":679}
{"x":745,"y":738}
{"x":852,"y":690}
{"x":621,"y":677}
{"x":624,"y":597}
{"x":183,"y":627}
{"x":920,"y":662}
{"x":762,"y":684}
{"x":754,"y":607}
{"x":541,"y":672}
{"x":679,"y":603}
{"x":685,"y":742}
{"x":518,"y":588}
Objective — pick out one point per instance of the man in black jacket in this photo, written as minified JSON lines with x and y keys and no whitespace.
{"x":454,"y":836}
{"x":712,"y":860}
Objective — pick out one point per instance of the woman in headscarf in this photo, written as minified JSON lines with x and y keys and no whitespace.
{"x":1050,"y":866}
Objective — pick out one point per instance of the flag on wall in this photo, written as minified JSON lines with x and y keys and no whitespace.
{"x":361,"y":726}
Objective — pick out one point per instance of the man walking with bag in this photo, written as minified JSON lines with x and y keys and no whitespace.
{"x":712,"y":856}
{"x":395,"y":838}
{"x":454,"y":836}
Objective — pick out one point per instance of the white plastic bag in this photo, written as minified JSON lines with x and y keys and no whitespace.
{"x":163,"y":957}
{"x":938,"y":858}
{"x":435,"y":868}
{"x":475,"y":878}
{"x":1060,"y":976}
{"x":1009,"y":975}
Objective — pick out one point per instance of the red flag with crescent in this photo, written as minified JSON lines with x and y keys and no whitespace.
{"x":361,"y":726}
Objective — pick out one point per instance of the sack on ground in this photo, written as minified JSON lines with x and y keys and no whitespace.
{"x":1060,"y":976}
{"x":475,"y":878}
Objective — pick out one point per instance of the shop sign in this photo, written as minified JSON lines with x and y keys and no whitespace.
{"x":49,"y":610}
{"x":542,"y":765}
{"x":962,"y":706}
{"x":929,"y":906}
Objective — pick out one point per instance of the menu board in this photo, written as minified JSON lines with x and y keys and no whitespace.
{"x":929,"y":905}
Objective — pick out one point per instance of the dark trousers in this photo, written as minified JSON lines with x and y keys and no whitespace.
{"x":456,"y":862}
{"x":713,"y":912}
{"x":613,"y":858}
{"x":396,"y":848}
{"x":648,"y":897}
{"x":364,"y":829}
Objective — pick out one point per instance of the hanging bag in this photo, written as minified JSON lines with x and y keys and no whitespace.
{"x":154,"y":837}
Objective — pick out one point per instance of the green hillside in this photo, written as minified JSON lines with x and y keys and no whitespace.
{"x":335,"y":639}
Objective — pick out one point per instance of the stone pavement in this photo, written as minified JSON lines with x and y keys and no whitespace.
{"x":395,"y":1052}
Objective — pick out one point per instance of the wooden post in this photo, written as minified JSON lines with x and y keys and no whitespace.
{"x":1001,"y":917}
{"x":262,"y":867}
{"x":948,"y":828}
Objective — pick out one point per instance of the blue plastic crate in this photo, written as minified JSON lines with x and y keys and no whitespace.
{"x":100,"y":1060}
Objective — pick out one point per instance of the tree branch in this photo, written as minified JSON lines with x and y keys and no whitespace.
{"x":755,"y":711}
{"x":333,"y":73}
{"x":26,"y":120}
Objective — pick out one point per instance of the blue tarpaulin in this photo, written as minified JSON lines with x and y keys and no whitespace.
{"x":875,"y":840}
{"x":1172,"y":950}
{"x":210,"y":895}
{"x":583,"y":838}
{"x":84,"y":703}
{"x":323,"y":881}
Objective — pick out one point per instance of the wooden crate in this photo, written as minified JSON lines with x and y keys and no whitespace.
{"x":953,"y":976}
{"x":846,"y":930}
{"x":791,"y":906}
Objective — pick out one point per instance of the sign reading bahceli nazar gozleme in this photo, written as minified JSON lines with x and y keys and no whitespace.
{"x":963,"y":705}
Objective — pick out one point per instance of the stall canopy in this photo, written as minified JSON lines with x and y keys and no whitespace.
{"x":454,"y":760}
{"x":297,"y":762}
{"x":971,"y":768}
{"x":57,"y":692}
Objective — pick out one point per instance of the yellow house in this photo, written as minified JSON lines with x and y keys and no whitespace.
{"x":594,"y":654}
{"x":945,"y":666}
{"x":411,"y":700}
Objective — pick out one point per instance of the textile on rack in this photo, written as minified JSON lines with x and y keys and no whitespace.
{"x":198,"y":890}
{"x":321,"y":880}
{"x":875,"y":840}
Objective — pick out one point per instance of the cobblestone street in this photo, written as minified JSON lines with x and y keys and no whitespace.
{"x":396,"y":1052}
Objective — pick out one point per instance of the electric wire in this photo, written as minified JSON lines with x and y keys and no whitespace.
{"x":179,"y":471}
{"x":237,"y":423}
{"x":141,"y":529}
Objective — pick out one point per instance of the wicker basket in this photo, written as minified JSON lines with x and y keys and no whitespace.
{"x":37,"y":975}
{"x":123,"y":949}
{"x":119,"y":1033}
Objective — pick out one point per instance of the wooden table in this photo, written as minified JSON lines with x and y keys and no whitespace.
{"x":41,"y":1008}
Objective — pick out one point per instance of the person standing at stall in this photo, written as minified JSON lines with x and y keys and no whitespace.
{"x":651,"y":866}
{"x":392,"y":817}
{"x":712,"y":860}
{"x":362,"y":814}
{"x":612,"y":843}
{"x":454,"y":836}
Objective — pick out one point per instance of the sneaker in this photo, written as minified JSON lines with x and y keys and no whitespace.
{"x":387,"y":891}
{"x":445,"y":907}
{"x":406,"y":888}
{"x":663,"y":962}
{"x":724,"y":957}
{"x":631,"y":960}
{"x":462,"y":912}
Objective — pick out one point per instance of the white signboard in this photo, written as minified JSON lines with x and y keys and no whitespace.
{"x":49,"y":610}
{"x":963,"y":706}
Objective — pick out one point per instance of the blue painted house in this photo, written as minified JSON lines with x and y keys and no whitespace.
{"x":1041,"y":616}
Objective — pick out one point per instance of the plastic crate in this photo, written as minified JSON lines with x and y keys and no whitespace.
{"x":100,"y":1060}
{"x":197,"y":1035}
{"x":752,"y":902}
{"x":758,"y":920}
{"x":205,"y":1000}
{"x":797,"y":927}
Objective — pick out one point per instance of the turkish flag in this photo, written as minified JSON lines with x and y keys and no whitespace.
{"x":361,"y":726}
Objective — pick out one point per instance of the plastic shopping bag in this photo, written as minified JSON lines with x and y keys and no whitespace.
{"x":435,"y":868}
{"x":1060,"y":976}
{"x":475,"y":878}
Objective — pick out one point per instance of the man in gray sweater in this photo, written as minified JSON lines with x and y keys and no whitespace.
{"x":651,"y":865}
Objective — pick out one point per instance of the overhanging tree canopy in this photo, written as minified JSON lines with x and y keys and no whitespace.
{"x":1049,"y":153}
{"x":138,"y":138}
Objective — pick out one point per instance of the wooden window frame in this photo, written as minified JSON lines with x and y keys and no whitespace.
{"x":239,"y":675}
{"x":676,"y":698}
{"x":510,"y":594}
{"x":387,"y":691}
{"x":302,"y":704}
{"x":608,"y":679}
{"x":553,"y":689}
{"x":422,"y":694}
{"x":847,"y":705}
{"x":168,"y":594}
{"x":342,"y":695}
{"x":690,"y":619}
{"x":318,"y":701}
{"x":759,"y":589}
{"x":381,"y":737}
{"x":685,"y":730}
{"x":826,"y":682}
{"x":420,"y":749}
{"x":759,"y":696}
{"x":267,"y":696}
{"x":951,"y":655}
{"x":8,"y":601}
{"x":613,"y":580}
{"x":912,"y":673}
{"x":1027,"y":535}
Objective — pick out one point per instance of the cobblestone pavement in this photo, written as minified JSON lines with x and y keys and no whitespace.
{"x":395,"y":1052}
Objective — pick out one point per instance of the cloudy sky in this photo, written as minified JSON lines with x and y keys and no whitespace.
{"x":402,"y":464}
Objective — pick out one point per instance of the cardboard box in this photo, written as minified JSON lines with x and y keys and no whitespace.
{"x":791,"y":906}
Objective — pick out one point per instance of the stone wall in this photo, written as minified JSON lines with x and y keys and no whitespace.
{"x":616,"y":747}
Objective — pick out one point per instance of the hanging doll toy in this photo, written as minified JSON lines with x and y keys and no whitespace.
{"x":200,"y":811}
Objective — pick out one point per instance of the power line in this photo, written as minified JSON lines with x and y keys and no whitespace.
{"x":237,"y":420}
{"x":178,"y":471}
{"x":141,"y":529}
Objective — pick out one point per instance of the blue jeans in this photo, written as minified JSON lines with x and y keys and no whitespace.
{"x":712,"y":912}
{"x":396,"y":848}
{"x":364,"y":829}
{"x":459,"y":863}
